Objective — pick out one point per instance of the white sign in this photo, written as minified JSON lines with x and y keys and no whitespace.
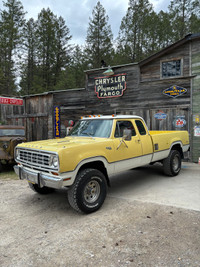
{"x":197,"y":131}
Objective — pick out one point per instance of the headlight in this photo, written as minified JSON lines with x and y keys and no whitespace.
{"x":54,"y":161}
{"x":5,"y":145}
{"x":16,"y":153}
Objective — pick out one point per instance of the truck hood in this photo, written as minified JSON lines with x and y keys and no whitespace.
{"x":55,"y":145}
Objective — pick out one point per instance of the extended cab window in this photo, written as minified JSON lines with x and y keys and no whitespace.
{"x":141,"y":127}
{"x":124,"y":125}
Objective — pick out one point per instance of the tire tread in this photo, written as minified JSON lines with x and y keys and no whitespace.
{"x":72,"y":191}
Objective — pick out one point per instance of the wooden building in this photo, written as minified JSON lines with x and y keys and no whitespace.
{"x":164,"y":89}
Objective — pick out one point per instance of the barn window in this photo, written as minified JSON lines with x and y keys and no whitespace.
{"x":171,"y":68}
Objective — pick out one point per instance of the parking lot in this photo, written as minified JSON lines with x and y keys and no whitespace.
{"x":147,"y":219}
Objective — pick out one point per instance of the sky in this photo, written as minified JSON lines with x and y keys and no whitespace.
{"x":76,"y":13}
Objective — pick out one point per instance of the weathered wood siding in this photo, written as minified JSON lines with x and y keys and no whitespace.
{"x":143,"y":96}
{"x":115,"y":104}
{"x":39,"y":117}
{"x":152,"y":71}
{"x":36,"y":115}
{"x":73,"y":105}
{"x":8,"y":112}
{"x":195,"y":68}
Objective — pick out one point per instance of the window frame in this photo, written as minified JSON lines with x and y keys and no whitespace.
{"x":171,"y":60}
{"x":142,"y":122}
{"x":117,"y":126}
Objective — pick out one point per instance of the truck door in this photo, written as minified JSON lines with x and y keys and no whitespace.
{"x":127,"y":153}
{"x":146,"y":141}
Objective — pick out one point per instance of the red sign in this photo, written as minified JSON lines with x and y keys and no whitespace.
{"x":11,"y":101}
{"x":179,"y":121}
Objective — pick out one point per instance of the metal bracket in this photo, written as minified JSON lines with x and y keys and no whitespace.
{"x":122,"y":141}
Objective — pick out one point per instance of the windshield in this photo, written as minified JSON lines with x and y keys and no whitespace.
{"x":93,"y":128}
{"x":12,"y":132}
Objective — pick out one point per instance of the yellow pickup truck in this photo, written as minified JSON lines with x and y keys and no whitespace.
{"x":96,"y":148}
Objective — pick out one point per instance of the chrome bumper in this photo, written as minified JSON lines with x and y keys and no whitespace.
{"x":38,"y":178}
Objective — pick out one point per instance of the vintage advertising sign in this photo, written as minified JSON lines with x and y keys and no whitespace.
{"x":174,"y":91}
{"x":179,"y":122}
{"x":110,"y":86}
{"x":11,"y":101}
{"x":160,"y":115}
{"x":196,"y":118}
{"x":57,"y":121}
{"x":197,"y":131}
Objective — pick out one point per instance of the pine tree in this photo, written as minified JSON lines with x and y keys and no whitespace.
{"x":180,"y":12}
{"x":52,"y":38}
{"x":135,"y":31}
{"x":62,"y":48}
{"x":165,"y":36}
{"x":28,"y":68}
{"x":11,"y":39}
{"x":194,"y":20}
{"x":99,"y":38}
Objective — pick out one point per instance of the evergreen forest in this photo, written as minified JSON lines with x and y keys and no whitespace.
{"x":38,"y":56}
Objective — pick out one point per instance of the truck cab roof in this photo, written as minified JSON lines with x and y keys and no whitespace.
{"x":107,"y":117}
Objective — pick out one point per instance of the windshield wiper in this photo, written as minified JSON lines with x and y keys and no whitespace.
{"x":89,"y":134}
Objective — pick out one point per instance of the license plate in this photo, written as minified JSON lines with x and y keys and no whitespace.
{"x":27,"y":177}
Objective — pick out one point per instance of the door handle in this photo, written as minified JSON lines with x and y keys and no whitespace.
{"x":138,"y":141}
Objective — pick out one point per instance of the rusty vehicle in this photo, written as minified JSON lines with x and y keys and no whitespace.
{"x":10,"y":136}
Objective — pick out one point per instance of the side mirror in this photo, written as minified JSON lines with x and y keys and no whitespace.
{"x":127,"y":135}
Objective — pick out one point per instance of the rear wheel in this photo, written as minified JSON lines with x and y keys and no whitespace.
{"x":88,"y":192}
{"x":43,"y":190}
{"x":172,"y":164}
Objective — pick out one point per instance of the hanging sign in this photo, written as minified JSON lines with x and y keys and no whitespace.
{"x":160,"y":115}
{"x":179,"y":122}
{"x":174,"y":91}
{"x":110,"y":86}
{"x":197,"y":131}
{"x":196,"y":119}
{"x":57,"y":121}
{"x":11,"y":101}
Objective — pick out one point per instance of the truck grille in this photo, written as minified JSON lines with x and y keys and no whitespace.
{"x":35,"y":158}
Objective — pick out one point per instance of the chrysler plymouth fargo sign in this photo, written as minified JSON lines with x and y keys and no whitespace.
{"x":110,"y":86}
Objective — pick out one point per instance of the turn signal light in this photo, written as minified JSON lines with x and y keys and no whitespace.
{"x":55,"y":173}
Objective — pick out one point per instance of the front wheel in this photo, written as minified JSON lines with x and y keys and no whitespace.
{"x":88,"y":192}
{"x":41,"y":190}
{"x":172,"y":164}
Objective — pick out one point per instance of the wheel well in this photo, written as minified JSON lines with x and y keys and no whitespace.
{"x":179,"y":149}
{"x":98,"y":165}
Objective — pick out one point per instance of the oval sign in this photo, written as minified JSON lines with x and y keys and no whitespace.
{"x":160,"y":115}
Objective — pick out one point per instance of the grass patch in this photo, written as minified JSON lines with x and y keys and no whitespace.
{"x":8,"y":174}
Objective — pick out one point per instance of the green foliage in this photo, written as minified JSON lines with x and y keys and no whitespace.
{"x":11,"y":39}
{"x":137,"y":33}
{"x":99,"y":38}
{"x":39,"y":51}
{"x":180,"y":12}
{"x":47,"y":51}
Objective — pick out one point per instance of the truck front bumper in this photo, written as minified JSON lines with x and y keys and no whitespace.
{"x":36,"y":177}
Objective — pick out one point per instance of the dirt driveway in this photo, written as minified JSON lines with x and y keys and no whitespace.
{"x":44,"y":231}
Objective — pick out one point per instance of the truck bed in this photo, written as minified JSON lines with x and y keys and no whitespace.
{"x":162,"y":141}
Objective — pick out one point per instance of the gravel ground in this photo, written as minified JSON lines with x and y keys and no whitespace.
{"x":44,"y":231}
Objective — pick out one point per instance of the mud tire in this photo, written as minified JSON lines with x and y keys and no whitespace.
{"x":88,"y":191}
{"x":172,"y":164}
